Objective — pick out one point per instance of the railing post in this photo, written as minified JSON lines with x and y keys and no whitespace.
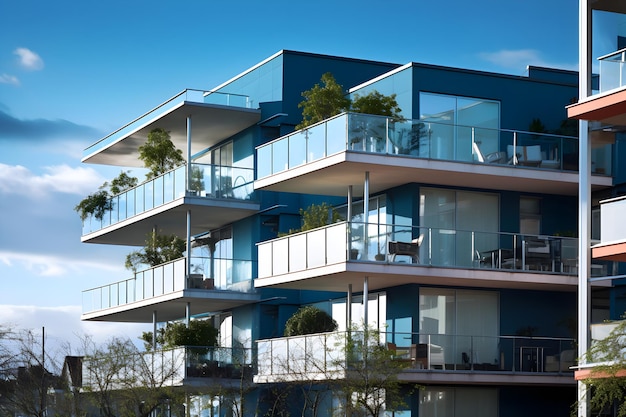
{"x":514,"y":147}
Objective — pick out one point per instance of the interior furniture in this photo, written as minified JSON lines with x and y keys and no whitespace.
{"x":561,"y":362}
{"x":410,"y":249}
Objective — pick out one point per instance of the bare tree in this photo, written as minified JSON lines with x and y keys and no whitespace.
{"x":122,"y":381}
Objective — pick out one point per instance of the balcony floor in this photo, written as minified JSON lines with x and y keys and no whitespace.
{"x":337,"y":277}
{"x":172,"y":306}
{"x":332,"y":176}
{"x":171,"y":218}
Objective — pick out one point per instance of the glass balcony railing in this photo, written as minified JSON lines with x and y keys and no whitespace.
{"x":423,"y":139}
{"x":169,"y":367}
{"x":192,"y":96}
{"x":612,"y":70}
{"x":326,"y":353}
{"x":214,"y":181}
{"x":206,"y":273}
{"x":361,"y":242}
{"x":612,"y":227}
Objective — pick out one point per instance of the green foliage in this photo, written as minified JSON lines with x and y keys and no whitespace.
{"x":371,"y":384}
{"x":376,"y":103}
{"x":318,"y":215}
{"x":122,"y":183}
{"x":197,"y":178}
{"x":309,"y":320}
{"x":199,"y":333}
{"x":605,"y":387}
{"x":159,"y":154}
{"x":157,"y":250}
{"x":322,"y":102}
{"x":536,"y":125}
{"x":98,"y":203}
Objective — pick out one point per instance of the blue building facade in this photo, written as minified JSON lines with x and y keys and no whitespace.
{"x":457,"y":239}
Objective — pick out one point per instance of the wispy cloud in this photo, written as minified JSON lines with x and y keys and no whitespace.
{"x":12,"y":128}
{"x":62,"y":326}
{"x":28,"y":59}
{"x":9,"y":79}
{"x":55,"y":265}
{"x":16,"y":179}
{"x":521,"y":58}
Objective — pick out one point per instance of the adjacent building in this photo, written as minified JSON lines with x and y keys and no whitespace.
{"x":458,"y":237}
{"x":601,"y":110}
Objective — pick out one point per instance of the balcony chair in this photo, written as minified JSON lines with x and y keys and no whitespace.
{"x":406,"y":249}
{"x":490,"y":158}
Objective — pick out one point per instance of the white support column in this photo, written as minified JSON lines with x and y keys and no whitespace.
{"x":584,"y":199}
{"x":154,"y":330}
{"x":366,"y":210}
{"x":188,"y":182}
{"x":349,"y":224}
{"x":188,"y":252}
{"x":365,"y":302}
{"x":187,"y":314}
{"x":349,"y":308}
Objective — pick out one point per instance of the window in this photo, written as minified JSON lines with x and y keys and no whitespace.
{"x":461,"y":321}
{"x":458,"y":223}
{"x":530,"y":216}
{"x":453,"y":124}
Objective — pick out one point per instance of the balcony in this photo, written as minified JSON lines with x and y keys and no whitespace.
{"x":328,"y":157}
{"x":331,"y":257}
{"x":214,"y":117}
{"x":426,"y":357}
{"x":219,"y":195}
{"x":213,"y":285}
{"x":612,"y":231}
{"x":172,"y":367}
{"x":608,"y":105}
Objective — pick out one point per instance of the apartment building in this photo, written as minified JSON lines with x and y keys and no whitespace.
{"x":458,"y":239}
{"x":601,"y":110}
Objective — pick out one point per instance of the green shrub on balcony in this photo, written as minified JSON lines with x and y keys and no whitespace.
{"x":159,"y":154}
{"x":309,"y":320}
{"x":158,"y":250}
{"x":98,"y":203}
{"x":200,"y":334}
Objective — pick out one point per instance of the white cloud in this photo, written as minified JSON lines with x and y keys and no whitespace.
{"x":57,"y":266}
{"x":17,"y":179}
{"x":522,"y":58}
{"x":9,"y":79}
{"x":62,"y":325}
{"x":29,"y":59}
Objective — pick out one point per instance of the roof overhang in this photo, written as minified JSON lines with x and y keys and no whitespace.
{"x":332,"y":176}
{"x":173,"y":306}
{"x":210,"y":124}
{"x":611,"y":251}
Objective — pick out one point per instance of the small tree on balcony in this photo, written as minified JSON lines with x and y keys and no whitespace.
{"x":159,"y":154}
{"x":376,"y":103}
{"x":322,"y":101}
{"x":98,"y":203}
{"x":370,"y":386}
{"x":157,"y":250}
{"x":606,"y":384}
{"x":200,"y":333}
{"x":309,"y":320}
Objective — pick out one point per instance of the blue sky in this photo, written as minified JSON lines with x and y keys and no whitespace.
{"x":72,"y":72}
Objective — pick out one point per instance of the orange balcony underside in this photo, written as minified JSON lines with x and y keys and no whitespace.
{"x":610,"y":252}
{"x":606,"y":108}
{"x":583,"y":374}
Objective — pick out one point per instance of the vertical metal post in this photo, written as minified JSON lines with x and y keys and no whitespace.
{"x":154,"y":330}
{"x":365,"y":302}
{"x":188,"y":153}
{"x":584,"y":197}
{"x":349,"y":308}
{"x":366,"y":211}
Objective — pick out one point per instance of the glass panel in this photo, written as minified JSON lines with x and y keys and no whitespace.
{"x":280,"y":155}
{"x":336,"y":135}
{"x":168,"y":186}
{"x":264,"y":161}
{"x":297,"y":148}
{"x":297,"y":246}
{"x":316,"y":141}
{"x":158,"y":191}
{"x":148,"y":195}
{"x":316,"y":248}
